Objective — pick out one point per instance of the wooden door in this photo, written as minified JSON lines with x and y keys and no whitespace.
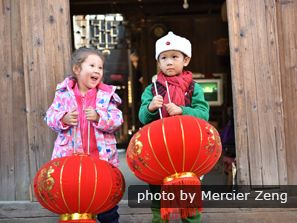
{"x":264,"y":76}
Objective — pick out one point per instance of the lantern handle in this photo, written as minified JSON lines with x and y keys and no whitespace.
{"x":167,"y":88}
{"x":89,"y":128}
{"x":74,"y":133}
{"x":156,"y":90}
{"x":74,"y":139}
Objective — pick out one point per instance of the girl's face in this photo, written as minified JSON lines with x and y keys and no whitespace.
{"x":89,"y":74}
{"x":172,"y":62}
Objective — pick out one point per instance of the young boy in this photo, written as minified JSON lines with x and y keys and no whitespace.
{"x":185,"y":97}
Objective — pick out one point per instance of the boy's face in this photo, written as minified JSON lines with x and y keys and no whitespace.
{"x":89,"y":73}
{"x":172,"y":62}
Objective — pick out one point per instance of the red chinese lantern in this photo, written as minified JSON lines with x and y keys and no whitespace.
{"x":78,"y":187}
{"x":174,"y":151}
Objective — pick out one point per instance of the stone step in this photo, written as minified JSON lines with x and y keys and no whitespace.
{"x":32,"y":212}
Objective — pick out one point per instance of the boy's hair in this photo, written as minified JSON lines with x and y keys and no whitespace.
{"x":80,"y":55}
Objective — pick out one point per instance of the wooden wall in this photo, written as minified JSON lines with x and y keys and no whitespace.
{"x":35,"y":50}
{"x":263,"y":61}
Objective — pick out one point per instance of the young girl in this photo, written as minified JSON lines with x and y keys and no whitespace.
{"x":185,"y":97}
{"x":85,"y":107}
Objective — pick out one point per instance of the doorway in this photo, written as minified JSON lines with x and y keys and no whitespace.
{"x":143,"y":23}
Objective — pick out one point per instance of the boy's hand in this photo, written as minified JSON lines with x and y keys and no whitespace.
{"x":91,"y":114}
{"x":173,"y":109}
{"x":156,"y":103}
{"x":70,"y":118}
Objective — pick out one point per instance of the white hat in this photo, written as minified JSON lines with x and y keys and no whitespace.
{"x":173,"y":42}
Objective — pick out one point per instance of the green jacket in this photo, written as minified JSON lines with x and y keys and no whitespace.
{"x":199,"y":107}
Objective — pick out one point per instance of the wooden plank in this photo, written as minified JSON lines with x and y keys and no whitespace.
{"x":38,"y":87}
{"x":63,"y":15}
{"x":7,"y":169}
{"x":56,"y":22}
{"x":237,"y":52}
{"x":286,"y":24}
{"x":54,"y":66}
{"x":19,"y":130}
{"x":28,"y":62}
{"x":58,"y":47}
{"x":248,"y":73}
{"x":265,"y":93}
{"x":31,"y":42}
{"x":273,"y":78}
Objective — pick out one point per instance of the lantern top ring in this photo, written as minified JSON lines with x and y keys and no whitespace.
{"x":77,"y":216}
{"x":178,"y":175}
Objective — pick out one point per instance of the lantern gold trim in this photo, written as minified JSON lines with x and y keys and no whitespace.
{"x":79,"y":182}
{"x":199,"y":149}
{"x":183,"y":140}
{"x":178,"y":175}
{"x":153,"y":151}
{"x":61,"y":184}
{"x":77,"y":216}
{"x":95,"y":183}
{"x":166,"y":146}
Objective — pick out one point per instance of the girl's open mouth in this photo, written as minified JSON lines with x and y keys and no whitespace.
{"x":94,"y":78}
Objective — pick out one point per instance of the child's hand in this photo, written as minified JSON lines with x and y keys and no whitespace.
{"x":91,"y":114}
{"x":156,"y":103}
{"x":70,"y":118}
{"x":173,"y":109}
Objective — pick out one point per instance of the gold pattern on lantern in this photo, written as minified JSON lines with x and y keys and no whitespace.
{"x":142,"y":161}
{"x":136,"y":167}
{"x":210,"y":139}
{"x":45,"y":184}
{"x":217,"y":137}
{"x":138,"y":158}
{"x":211,"y":146}
{"x":57,"y":163}
{"x":137,"y":147}
{"x":46,"y":181}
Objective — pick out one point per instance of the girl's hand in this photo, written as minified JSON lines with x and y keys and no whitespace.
{"x":156,"y":103}
{"x":173,"y":109}
{"x":70,"y":118}
{"x":91,"y":114}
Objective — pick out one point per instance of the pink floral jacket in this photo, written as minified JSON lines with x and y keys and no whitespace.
{"x":110,"y":120}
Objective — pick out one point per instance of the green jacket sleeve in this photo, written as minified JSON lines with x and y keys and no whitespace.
{"x":144,"y":115}
{"x":199,"y":107}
